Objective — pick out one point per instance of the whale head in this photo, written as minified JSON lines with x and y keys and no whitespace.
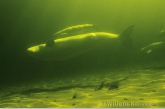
{"x":42,"y":52}
{"x":33,"y":51}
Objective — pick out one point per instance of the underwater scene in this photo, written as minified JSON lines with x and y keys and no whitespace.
{"x":82,"y":53}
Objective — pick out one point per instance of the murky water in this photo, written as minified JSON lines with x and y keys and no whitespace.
{"x":31,"y":82}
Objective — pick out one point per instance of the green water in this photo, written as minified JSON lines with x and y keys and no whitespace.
{"x":25,"y":23}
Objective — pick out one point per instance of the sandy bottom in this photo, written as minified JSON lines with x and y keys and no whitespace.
{"x":131,"y":88}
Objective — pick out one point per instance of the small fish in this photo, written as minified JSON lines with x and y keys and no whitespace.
{"x":74,"y":96}
{"x":76,"y":30}
{"x":114,"y":85}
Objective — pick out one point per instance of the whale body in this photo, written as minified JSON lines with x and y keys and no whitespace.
{"x":71,"y":46}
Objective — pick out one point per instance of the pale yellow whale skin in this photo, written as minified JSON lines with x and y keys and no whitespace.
{"x":68,"y":47}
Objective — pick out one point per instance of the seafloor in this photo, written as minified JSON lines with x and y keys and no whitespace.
{"x":129,"y":87}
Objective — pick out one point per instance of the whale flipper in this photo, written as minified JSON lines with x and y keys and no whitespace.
{"x":125,"y":37}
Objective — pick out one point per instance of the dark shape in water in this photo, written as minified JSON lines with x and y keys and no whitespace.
{"x":74,"y":96}
{"x":100,"y":86}
{"x":50,"y":43}
{"x":39,"y":90}
{"x":114,"y":85}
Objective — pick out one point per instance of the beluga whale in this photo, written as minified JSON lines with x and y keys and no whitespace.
{"x":72,"y":46}
{"x":154,"y":48}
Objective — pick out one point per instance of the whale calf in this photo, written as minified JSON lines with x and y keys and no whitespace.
{"x":71,"y":46}
{"x":76,"y":30}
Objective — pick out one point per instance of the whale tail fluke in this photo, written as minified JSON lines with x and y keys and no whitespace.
{"x":125,"y":37}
